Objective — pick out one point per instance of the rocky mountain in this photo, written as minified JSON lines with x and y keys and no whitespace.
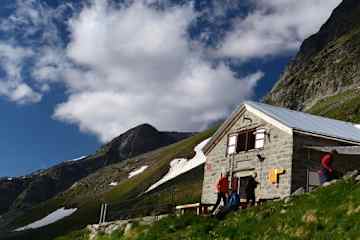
{"x":125,"y":195}
{"x":27,"y":191}
{"x":327,"y":64}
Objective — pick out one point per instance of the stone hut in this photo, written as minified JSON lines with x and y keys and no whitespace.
{"x":282,"y":147}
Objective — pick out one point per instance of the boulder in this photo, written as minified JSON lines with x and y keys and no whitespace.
{"x":287,"y":200}
{"x":128,"y":228}
{"x":298,"y":192}
{"x":357,"y":178}
{"x":351,"y":174}
{"x":330,"y":183}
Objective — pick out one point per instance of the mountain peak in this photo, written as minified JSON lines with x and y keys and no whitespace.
{"x":326,"y":64}
{"x":144,"y":126}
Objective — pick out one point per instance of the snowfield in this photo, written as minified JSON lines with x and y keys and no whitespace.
{"x":181,"y":165}
{"x":49,"y":219}
{"x":137,"y":171}
{"x":113,"y":184}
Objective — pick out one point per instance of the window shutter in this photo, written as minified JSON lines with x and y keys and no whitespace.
{"x":231,"y":148}
{"x":259,"y":138}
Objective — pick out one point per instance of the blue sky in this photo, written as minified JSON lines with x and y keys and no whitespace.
{"x":75,"y":74}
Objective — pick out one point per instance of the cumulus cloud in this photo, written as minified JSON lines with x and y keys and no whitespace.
{"x":275,"y":27}
{"x":138,"y":65}
{"x":30,"y":50}
{"x":126,"y":64}
{"x":11,"y":82}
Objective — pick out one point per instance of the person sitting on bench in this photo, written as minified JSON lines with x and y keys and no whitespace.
{"x":232,"y":205}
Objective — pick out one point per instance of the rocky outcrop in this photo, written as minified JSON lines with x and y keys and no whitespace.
{"x":123,"y":226}
{"x":10,"y":188}
{"x":328,"y":62}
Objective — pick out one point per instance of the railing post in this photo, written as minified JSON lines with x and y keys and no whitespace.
{"x":101,"y":213}
{"x":104,"y":214}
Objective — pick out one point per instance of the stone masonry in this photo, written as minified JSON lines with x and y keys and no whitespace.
{"x":278,"y":151}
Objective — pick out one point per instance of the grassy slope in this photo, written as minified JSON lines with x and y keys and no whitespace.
{"x":89,"y":206}
{"x":344,"y":106}
{"x":328,"y":213}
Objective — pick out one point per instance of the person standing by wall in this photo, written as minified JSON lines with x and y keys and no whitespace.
{"x":327,"y":171}
{"x":250,"y":190}
{"x":222,"y":187}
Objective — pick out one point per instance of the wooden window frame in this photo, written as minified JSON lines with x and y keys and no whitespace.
{"x":253,"y":131}
{"x":247,"y":132}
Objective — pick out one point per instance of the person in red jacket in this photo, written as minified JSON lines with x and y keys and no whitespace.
{"x":222,"y":188}
{"x":327,"y":171}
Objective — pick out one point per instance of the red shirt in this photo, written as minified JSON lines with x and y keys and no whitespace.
{"x":326,"y":161}
{"x":223,"y":185}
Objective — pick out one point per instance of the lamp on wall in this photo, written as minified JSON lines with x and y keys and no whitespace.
{"x":260,"y":158}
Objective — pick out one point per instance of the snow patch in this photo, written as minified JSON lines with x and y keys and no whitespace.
{"x":49,"y":219}
{"x":138,"y":171}
{"x":357,"y":126}
{"x":113,"y":184}
{"x":76,"y":159}
{"x":10,"y":179}
{"x":181,"y":165}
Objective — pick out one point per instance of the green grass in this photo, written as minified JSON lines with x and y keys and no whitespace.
{"x":76,"y":235}
{"x":328,"y":213}
{"x":344,"y":106}
{"x":89,"y":205}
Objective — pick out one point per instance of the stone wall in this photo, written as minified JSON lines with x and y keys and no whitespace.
{"x":277,"y":152}
{"x":310,"y":159}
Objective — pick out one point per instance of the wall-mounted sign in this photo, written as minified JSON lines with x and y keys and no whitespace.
{"x":274,"y":173}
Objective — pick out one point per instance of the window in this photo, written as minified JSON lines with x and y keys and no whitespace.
{"x":231,"y":144}
{"x":259,"y":138}
{"x":246,"y":141}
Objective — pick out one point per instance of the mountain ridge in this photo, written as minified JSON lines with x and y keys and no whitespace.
{"x":326,"y":64}
{"x":26,"y":191}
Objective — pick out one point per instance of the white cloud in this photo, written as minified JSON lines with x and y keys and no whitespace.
{"x":131,"y":64}
{"x":141,"y":67}
{"x":36,"y":43}
{"x":275,"y":27}
{"x":11,"y":82}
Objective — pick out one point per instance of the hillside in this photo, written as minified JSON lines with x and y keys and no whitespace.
{"x":27,"y":191}
{"x":327,"y":63}
{"x":331,"y":212}
{"x":87,"y":194}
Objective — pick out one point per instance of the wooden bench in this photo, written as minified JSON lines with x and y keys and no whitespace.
{"x":198,"y":208}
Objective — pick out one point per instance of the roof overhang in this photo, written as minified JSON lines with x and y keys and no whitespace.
{"x":343,"y":150}
{"x":349,"y":141}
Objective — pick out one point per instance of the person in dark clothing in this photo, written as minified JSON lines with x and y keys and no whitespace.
{"x":232,"y":205}
{"x":326,"y":173}
{"x":222,"y":191}
{"x":250,"y":190}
